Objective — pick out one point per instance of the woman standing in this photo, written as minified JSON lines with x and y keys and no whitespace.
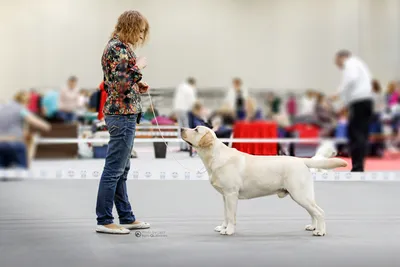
{"x":122,"y":81}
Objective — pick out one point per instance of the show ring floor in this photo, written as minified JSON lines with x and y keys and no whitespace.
{"x":52,"y":223}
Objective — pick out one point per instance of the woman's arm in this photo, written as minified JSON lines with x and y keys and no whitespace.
{"x":35,"y":121}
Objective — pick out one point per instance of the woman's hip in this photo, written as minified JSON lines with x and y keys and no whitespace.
{"x":121,"y":128}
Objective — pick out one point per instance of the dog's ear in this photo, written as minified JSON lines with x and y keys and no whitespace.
{"x":206,"y":141}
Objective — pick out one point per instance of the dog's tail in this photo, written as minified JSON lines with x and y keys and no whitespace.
{"x":326,"y":164}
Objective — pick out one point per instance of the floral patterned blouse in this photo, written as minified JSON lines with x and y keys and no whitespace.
{"x":121,"y":76}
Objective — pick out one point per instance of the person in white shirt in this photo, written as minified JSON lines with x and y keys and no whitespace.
{"x":236,"y":96}
{"x":355,"y":91}
{"x":307,"y":104}
{"x":184,"y":99}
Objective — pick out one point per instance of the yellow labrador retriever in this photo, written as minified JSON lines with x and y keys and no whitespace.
{"x":238,"y":175}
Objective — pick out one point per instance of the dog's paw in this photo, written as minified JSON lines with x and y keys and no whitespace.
{"x":319,"y":233}
{"x":229,"y":230}
{"x":310,"y":227}
{"x":219,"y":228}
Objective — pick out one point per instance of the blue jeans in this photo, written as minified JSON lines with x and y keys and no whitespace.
{"x":13,"y":154}
{"x":66,"y":116}
{"x":112,"y":187}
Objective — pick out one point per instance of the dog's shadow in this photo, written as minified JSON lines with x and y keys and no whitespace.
{"x":262,"y":237}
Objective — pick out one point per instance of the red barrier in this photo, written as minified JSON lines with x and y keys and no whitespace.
{"x":258,"y":129}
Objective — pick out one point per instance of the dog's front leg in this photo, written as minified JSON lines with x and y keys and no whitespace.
{"x":231,"y":200}
{"x":225,"y":222}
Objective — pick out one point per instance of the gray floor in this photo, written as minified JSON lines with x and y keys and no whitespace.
{"x":51,"y":223}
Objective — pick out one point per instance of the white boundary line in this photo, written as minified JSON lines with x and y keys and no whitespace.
{"x":178,"y":140}
{"x":95,"y":174}
{"x":153,"y":127}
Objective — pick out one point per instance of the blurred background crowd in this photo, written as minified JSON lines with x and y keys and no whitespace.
{"x":306,"y":114}
{"x":224,"y":64}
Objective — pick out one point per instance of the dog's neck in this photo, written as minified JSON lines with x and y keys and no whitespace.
{"x":207,"y":154}
{"x":210,"y":155}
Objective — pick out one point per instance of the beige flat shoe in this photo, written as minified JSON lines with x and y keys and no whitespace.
{"x":104,"y":230}
{"x":136,"y":226}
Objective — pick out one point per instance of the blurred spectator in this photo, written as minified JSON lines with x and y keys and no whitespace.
{"x":306,"y":113}
{"x":307,"y":104}
{"x":184,"y":99}
{"x":13,"y":116}
{"x":34,"y":102}
{"x":226,"y":114}
{"x":196,"y":116}
{"x":273,"y":105}
{"x":282,"y":119}
{"x":50,"y":106}
{"x":69,"y":100}
{"x":252,"y":112}
{"x":379,"y":98}
{"x":325,"y":116}
{"x":83,"y":101}
{"x":291,"y":106}
{"x":82,"y":112}
{"x":149,"y":114}
{"x":236,"y":96}
{"x":221,"y":130}
{"x":392,"y":93}
{"x":98,"y":99}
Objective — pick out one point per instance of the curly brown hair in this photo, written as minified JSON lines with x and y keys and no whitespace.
{"x":130,"y":26}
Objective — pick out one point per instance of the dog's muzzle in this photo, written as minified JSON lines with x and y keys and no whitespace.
{"x":183,"y":136}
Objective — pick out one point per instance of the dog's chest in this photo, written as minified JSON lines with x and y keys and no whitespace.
{"x":214,"y":181}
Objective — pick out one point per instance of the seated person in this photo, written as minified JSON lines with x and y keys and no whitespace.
{"x":13,"y":115}
{"x":50,"y":106}
{"x":195,"y":119}
{"x":221,"y":131}
{"x":226,"y":114}
{"x":196,"y":116}
{"x":69,"y":100}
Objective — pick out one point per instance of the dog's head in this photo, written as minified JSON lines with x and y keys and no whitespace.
{"x":327,"y":149}
{"x":199,"y":137}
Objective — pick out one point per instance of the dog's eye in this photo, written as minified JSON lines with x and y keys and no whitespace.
{"x":197,"y":130}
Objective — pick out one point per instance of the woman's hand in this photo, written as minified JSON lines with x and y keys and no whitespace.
{"x":143,"y":87}
{"x":141,"y":62}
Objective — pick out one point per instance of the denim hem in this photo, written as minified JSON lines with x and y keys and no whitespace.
{"x":127,"y":222}
{"x":106,"y":222}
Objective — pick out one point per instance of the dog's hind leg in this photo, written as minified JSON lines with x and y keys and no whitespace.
{"x":306,"y":200}
{"x":231,"y":200}
{"x":225,"y":222}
